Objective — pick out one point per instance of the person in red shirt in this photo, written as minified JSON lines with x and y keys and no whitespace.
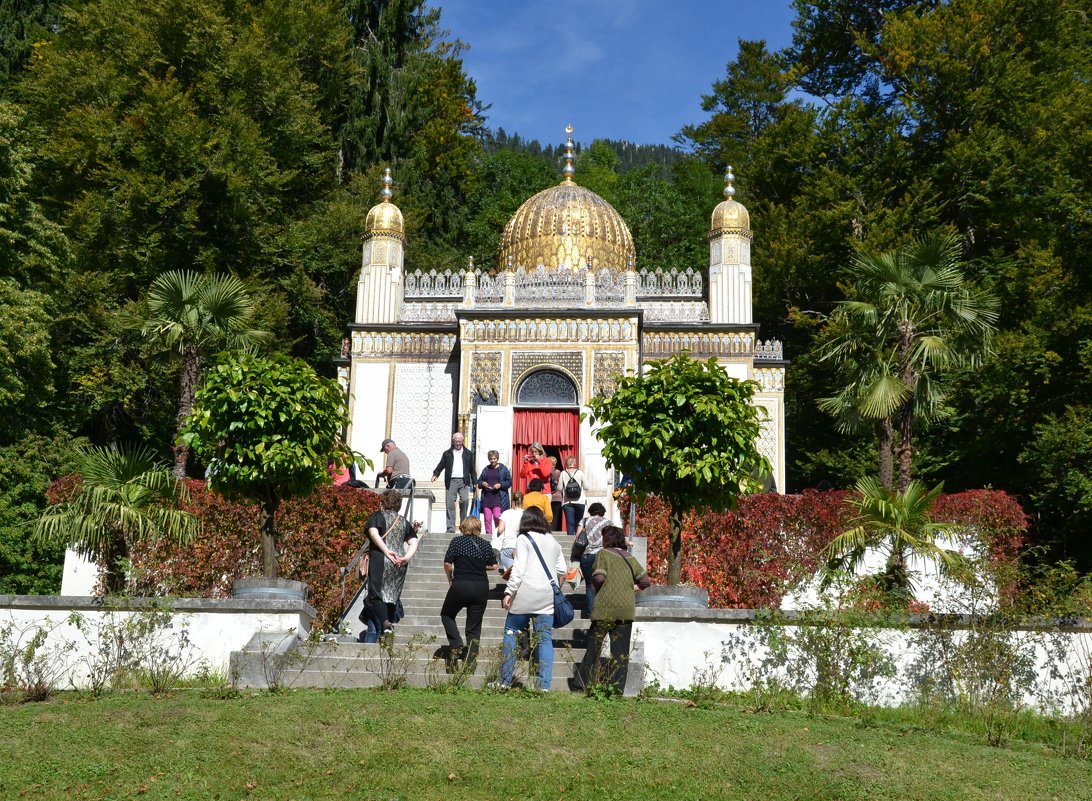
{"x":535,"y":465}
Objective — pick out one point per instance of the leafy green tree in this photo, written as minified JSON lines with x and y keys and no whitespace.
{"x":912,"y":315}
{"x":686,"y":431}
{"x":176,"y":136}
{"x":269,"y":428}
{"x":26,"y":359}
{"x":29,"y":566}
{"x":898,"y":523}
{"x":195,"y":315}
{"x":35,"y":248}
{"x":22,"y":24}
{"x":1059,"y":456}
{"x":125,"y":495}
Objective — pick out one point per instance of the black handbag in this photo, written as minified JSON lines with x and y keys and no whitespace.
{"x":563,"y":607}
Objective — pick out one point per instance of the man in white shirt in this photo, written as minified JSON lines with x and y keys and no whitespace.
{"x":457,"y":465}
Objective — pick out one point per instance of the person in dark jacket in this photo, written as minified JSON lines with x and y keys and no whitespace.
{"x":495,"y":481}
{"x":457,"y":465}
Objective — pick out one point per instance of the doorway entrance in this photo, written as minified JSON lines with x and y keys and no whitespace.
{"x":557,"y":429}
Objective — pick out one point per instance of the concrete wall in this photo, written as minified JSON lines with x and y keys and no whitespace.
{"x":680,"y":648}
{"x":213,"y":628}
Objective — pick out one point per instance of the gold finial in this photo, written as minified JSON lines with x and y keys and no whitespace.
{"x":729,"y":190}
{"x":569,"y":170}
{"x":470,"y":264}
{"x":387,"y":181}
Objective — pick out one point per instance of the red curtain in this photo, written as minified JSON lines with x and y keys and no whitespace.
{"x":554,"y":429}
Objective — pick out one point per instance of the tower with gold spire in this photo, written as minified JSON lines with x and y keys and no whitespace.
{"x":730,"y":259}
{"x":379,"y":290}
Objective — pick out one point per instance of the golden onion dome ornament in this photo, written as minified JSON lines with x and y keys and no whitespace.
{"x":730,"y":216}
{"x":566,"y":226}
{"x":385,"y":218}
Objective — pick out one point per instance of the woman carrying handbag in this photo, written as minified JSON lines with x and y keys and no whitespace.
{"x":616,"y":577}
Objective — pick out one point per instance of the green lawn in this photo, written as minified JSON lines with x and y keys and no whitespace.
{"x":415,"y":744}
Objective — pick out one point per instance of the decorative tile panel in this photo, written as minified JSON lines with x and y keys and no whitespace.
{"x":485,"y":375}
{"x":607,"y":368}
{"x":423,"y":412}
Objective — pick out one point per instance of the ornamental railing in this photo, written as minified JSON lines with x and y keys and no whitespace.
{"x":554,"y":286}
{"x":670,"y":284}
{"x":433,"y":284}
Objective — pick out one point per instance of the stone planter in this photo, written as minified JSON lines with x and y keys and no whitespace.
{"x":661,"y":596}
{"x":269,"y":589}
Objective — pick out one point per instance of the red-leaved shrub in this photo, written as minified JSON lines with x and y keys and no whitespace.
{"x":749,"y":557}
{"x":316,"y":536}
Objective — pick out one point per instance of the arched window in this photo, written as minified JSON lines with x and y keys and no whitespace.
{"x":546,"y":388}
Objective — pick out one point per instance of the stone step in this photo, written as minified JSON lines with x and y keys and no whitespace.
{"x":351,"y":679}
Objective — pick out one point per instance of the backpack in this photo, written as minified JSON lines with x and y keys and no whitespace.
{"x":572,"y":488}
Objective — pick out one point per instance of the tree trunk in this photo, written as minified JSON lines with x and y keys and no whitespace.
{"x":905,"y":414}
{"x":191,"y":374}
{"x":270,"y":503}
{"x":885,"y":434}
{"x":674,"y":565}
{"x":116,"y":564}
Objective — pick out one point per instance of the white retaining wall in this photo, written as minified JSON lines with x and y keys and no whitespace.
{"x":213,"y":628}
{"x":720,"y":646}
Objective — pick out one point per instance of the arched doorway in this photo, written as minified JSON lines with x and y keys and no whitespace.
{"x":547,"y":411}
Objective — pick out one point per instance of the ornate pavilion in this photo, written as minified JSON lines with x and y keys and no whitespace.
{"x":513,"y":357}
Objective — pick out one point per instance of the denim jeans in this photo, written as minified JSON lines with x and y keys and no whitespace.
{"x":542,"y":628}
{"x":371,"y":631}
{"x":574,"y":513}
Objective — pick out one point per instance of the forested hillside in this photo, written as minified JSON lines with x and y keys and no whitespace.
{"x":249,"y":139}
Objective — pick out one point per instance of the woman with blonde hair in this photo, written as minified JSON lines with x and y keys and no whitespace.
{"x":535,"y":465}
{"x":466,"y":563}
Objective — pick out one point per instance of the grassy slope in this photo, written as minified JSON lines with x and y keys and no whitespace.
{"x":422,"y":745}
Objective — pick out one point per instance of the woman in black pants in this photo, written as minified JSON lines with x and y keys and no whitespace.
{"x":466,"y":562}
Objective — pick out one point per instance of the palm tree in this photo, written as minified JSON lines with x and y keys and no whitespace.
{"x":125,"y":495}
{"x":897,"y":522}
{"x":196,"y":315}
{"x":914,"y":315}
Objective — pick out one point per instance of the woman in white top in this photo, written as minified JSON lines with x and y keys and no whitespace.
{"x":572,"y":505}
{"x":529,"y":597}
{"x":506,"y":532}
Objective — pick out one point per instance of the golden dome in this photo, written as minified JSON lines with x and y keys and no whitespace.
{"x":385,"y":218}
{"x":730,"y":217}
{"x":567,"y":225}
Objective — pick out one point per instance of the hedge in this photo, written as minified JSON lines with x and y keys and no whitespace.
{"x":317,"y":535}
{"x":749,"y":557}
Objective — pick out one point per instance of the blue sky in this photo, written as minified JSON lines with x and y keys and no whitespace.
{"x":627,"y":69}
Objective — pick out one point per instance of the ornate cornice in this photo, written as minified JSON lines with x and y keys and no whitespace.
{"x":407,"y":345}
{"x":553,"y":331}
{"x":770,"y":379}
{"x":701,"y":345}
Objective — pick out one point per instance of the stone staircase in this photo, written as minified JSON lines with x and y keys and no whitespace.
{"x":416,"y":656}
